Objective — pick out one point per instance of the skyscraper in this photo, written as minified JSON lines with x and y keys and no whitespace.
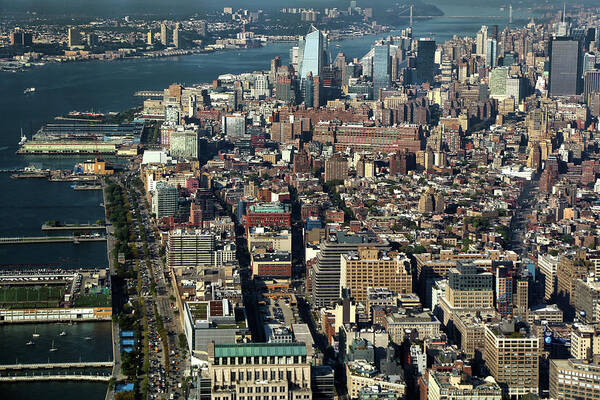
{"x":313,"y":55}
{"x":490,"y":52}
{"x":381,"y":68}
{"x":565,"y":67}
{"x":425,"y":60}
{"x":480,"y":40}
{"x":165,"y":34}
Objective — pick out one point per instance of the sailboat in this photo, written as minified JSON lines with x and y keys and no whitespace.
{"x":53,"y":348}
{"x":23,"y":138}
{"x":30,"y":343}
{"x":35,"y":334}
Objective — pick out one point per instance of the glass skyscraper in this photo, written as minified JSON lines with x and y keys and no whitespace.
{"x":381,"y":68}
{"x":313,"y":55}
{"x":425,"y":60}
{"x":565,"y":67}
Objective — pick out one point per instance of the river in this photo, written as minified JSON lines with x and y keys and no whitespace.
{"x":103,"y":87}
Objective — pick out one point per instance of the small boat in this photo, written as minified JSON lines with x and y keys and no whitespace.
{"x":88,"y":338}
{"x":53,"y":348}
{"x":35,"y":334}
{"x":63,"y":333}
{"x":23,"y":138}
{"x":29,"y":90}
{"x":30,"y":343}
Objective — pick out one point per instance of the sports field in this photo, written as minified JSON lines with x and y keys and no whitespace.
{"x":30,"y":296}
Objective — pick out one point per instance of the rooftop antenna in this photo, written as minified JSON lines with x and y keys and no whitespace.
{"x":564,"y":11}
{"x":510,"y":14}
{"x":411,"y":15}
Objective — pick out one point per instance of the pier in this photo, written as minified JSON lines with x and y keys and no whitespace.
{"x":73,"y":227}
{"x":149,"y":93}
{"x":54,"y":378}
{"x":21,"y":367}
{"x":51,"y":239}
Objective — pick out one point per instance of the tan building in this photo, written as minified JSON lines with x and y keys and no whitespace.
{"x":548,"y":266}
{"x":574,"y":380}
{"x":370,"y":267}
{"x":585,"y":342}
{"x":511,"y":355}
{"x":471,"y":328}
{"x":255,"y":371}
{"x":269,"y":239}
{"x":424,"y":324}
{"x":470,"y":287}
{"x":587,"y":300}
{"x":569,"y":269}
{"x":361,"y":374}
{"x":453,"y":386}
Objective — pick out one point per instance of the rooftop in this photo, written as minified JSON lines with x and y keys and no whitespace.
{"x":260,"y":349}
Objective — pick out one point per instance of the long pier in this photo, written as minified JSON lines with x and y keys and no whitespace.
{"x":71,"y":227}
{"x":50,"y":239}
{"x":54,"y":378}
{"x":149,"y":93}
{"x":89,"y":364}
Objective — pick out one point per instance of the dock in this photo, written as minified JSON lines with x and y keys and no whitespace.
{"x":54,"y":378}
{"x":51,"y":239}
{"x":87,"y":187}
{"x":73,"y":227}
{"x":149,"y":93}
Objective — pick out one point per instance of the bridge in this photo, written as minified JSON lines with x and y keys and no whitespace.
{"x":54,"y":378}
{"x":149,"y":93}
{"x":89,"y":364}
{"x":51,"y":239}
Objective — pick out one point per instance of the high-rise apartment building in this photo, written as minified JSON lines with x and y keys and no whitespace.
{"x":164,"y":200}
{"x":591,"y":84}
{"x":565,"y":67}
{"x":75,"y":38}
{"x":190,"y":248}
{"x":511,"y":355}
{"x":336,"y":168}
{"x":165,"y":34}
{"x":371,"y":268}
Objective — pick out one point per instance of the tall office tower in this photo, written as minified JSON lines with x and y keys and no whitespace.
{"x":574,"y":380}
{"x":150,"y":38}
{"x":587,"y":297}
{"x":202,"y":28}
{"x":19,"y":37}
{"x":491,"y":49}
{"x":370,"y":267}
{"x":325,"y":275}
{"x":425,"y":60}
{"x":480,"y":40}
{"x":591,"y":84}
{"x":381,"y":68}
{"x":190,"y":249}
{"x":565,"y":67}
{"x":511,"y":354}
{"x":165,"y":34}
{"x":75,"y":38}
{"x":314,"y":56}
